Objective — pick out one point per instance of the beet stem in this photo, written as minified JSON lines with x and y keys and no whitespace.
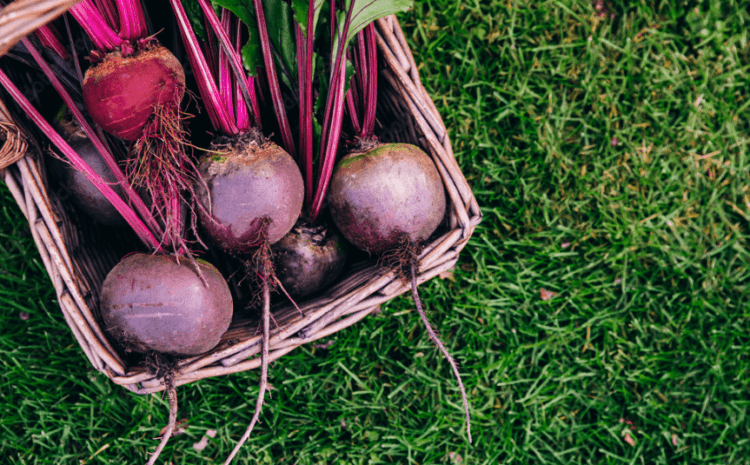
{"x":371,"y":99}
{"x":351,"y":105}
{"x":273,"y":81}
{"x":103,"y":36}
{"x":334,"y":116}
{"x":172,"y":394}
{"x":108,"y":10}
{"x":362,"y":64}
{"x":226,"y":87}
{"x":308,"y":154}
{"x":299,"y":39}
{"x":203,"y":76}
{"x":132,"y":19}
{"x":50,"y":38}
{"x":244,"y":83}
{"x":439,"y":343}
{"x":328,"y":151}
{"x":263,"y":364}
{"x":231,"y":54}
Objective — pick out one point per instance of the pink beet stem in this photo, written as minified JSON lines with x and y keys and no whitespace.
{"x":210,"y":49}
{"x":95,"y":139}
{"x":351,"y":106}
{"x":361,"y":64}
{"x":220,"y":120}
{"x":108,"y":10}
{"x":243,"y":116}
{"x":308,"y":93}
{"x":332,"y":144}
{"x":273,"y":81}
{"x":50,"y":38}
{"x":302,"y":73}
{"x":226,"y":45}
{"x":132,"y":20}
{"x":371,"y":100}
{"x":80,"y":165}
{"x":225,"y":72}
{"x":252,"y":83}
{"x":96,"y":27}
{"x":335,"y":113}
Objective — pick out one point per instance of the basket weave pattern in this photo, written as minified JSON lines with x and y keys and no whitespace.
{"x":77,"y":266}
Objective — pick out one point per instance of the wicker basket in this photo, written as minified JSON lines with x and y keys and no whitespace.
{"x":77,"y":262}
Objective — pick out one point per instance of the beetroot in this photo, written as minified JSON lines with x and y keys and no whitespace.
{"x":309,"y":258}
{"x":164,"y":304}
{"x":379,"y":196}
{"x":122,"y":92}
{"x":254,"y":188}
{"x":84,"y":195}
{"x":389,"y":200}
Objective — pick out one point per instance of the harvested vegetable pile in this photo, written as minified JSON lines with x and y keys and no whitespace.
{"x":254,"y":186}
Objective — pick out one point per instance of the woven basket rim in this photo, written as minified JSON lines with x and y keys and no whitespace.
{"x":350,"y":300}
{"x":22,"y":17}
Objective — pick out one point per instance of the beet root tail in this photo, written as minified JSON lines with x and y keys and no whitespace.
{"x":161,"y":165}
{"x":441,"y":346}
{"x":266,"y":316}
{"x":172,"y":394}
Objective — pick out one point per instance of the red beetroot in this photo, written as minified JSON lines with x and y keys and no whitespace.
{"x":254,"y":187}
{"x":122,"y":92}
{"x":309,"y":258}
{"x":163,"y":304}
{"x":84,"y":193}
{"x":378,"y":196}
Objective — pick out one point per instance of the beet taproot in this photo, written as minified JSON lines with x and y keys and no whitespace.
{"x":159,"y":303}
{"x":251,"y":188}
{"x":122,"y":92}
{"x":309,"y":258}
{"x":381,"y":195}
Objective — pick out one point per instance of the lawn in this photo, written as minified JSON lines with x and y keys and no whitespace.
{"x":600,"y":313}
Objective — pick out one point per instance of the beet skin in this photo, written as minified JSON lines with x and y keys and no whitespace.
{"x":83,"y":193}
{"x":309,"y":258}
{"x":250,"y":184}
{"x":392,"y":190}
{"x":121,"y":93}
{"x":153,"y":303}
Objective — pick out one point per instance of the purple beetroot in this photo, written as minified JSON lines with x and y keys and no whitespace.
{"x":251,"y":193}
{"x":159,"y":303}
{"x":378,"y":197}
{"x":83,"y":192}
{"x":388,"y":201}
{"x":309,"y":258}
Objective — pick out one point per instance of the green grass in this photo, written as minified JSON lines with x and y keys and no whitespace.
{"x":644,"y":242}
